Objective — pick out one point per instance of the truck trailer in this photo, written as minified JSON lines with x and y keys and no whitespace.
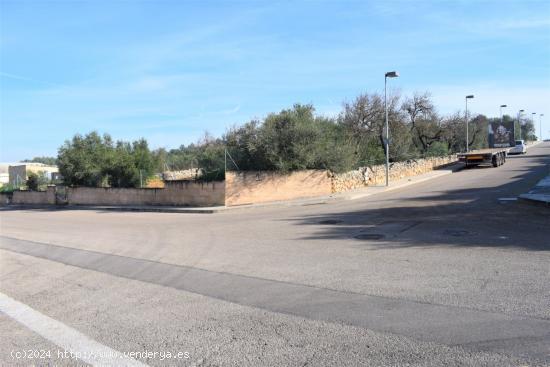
{"x":495,"y":157}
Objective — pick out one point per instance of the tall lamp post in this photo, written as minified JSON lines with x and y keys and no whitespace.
{"x":533,"y":119}
{"x":467,"y":138}
{"x":389,"y":74}
{"x":540,"y":125}
{"x":519,"y":124}
{"x":501,"y":116}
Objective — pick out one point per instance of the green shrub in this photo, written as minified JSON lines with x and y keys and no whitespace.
{"x":32,"y":182}
{"x":437,"y":149}
{"x":8,"y":189}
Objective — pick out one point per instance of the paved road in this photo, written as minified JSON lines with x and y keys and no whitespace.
{"x":439,"y":273}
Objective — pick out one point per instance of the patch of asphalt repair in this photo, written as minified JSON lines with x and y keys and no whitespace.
{"x":456,"y":326}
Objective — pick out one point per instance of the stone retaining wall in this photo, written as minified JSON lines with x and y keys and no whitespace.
{"x":376,"y":175}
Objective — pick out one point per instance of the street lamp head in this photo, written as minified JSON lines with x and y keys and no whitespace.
{"x":521,"y":110}
{"x":392,"y":74}
{"x":534,"y":113}
{"x":470,"y":96}
{"x":503,"y":105}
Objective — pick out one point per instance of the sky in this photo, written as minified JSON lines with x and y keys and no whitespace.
{"x":170,"y":70}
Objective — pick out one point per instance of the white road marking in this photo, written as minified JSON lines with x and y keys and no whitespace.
{"x":71,"y":340}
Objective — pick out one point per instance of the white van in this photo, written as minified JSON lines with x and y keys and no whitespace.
{"x":520,"y":148}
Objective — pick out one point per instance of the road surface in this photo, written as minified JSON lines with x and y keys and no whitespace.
{"x":451,"y":271}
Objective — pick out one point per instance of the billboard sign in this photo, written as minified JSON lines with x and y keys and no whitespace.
{"x":501,"y":134}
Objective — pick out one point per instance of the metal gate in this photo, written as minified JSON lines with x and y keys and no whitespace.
{"x":61,"y":195}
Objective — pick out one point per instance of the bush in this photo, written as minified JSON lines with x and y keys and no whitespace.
{"x":290,"y":140}
{"x":437,"y":149}
{"x":96,"y":161}
{"x":8,"y":189}
{"x":32,"y":182}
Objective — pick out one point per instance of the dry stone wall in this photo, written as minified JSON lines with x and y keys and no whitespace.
{"x":376,"y":175}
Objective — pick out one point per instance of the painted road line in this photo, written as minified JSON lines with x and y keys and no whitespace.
{"x":422,"y":321}
{"x":71,"y":340}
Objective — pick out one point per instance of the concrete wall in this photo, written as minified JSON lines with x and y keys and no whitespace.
{"x":263,"y":186}
{"x":5,"y":199}
{"x":34,"y":197}
{"x":376,"y":175}
{"x":175,"y":193}
{"x":17,"y":175}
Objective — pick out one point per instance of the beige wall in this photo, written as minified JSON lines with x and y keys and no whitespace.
{"x":34,"y":197}
{"x":239,"y":188}
{"x":176,"y":193}
{"x":263,"y":186}
{"x":5,"y":199}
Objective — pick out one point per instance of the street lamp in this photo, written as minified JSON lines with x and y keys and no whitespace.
{"x":501,"y":117}
{"x":389,"y":74}
{"x":471,"y":96}
{"x":540,"y":125}
{"x":533,"y":119}
{"x":519,"y":124}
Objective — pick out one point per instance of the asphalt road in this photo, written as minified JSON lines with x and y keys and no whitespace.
{"x":439,"y":273}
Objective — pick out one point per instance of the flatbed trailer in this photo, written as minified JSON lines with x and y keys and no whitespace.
{"x":494,"y":157}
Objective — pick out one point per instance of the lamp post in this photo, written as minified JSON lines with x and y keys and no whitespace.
{"x":519,"y":124}
{"x":502,"y":117}
{"x":467,"y":138}
{"x":389,"y":74}
{"x":533,"y":119}
{"x":540,"y":125}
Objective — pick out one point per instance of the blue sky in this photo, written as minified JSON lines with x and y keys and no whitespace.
{"x":169,"y":70}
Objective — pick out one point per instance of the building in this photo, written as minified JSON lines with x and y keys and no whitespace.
{"x":19,"y":173}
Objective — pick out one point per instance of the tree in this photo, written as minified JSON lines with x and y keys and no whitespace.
{"x":364,"y":120}
{"x":425,"y":124}
{"x":528,"y":130}
{"x":96,"y":161}
{"x":49,"y":161}
{"x":210,"y":158}
{"x":32,"y":182}
{"x":363,"y":116}
{"x":83,"y":159}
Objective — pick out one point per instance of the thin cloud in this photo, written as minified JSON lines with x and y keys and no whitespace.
{"x":26,"y":79}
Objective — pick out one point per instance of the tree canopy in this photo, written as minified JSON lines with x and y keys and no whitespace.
{"x":94,"y":160}
{"x":292,"y":139}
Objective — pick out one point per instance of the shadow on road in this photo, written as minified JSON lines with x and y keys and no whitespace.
{"x":473,"y":217}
